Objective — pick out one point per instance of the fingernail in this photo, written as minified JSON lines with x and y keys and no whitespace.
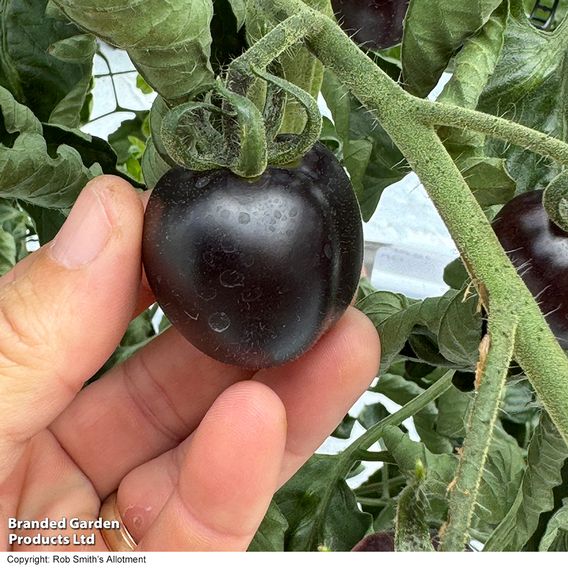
{"x":85,"y":232}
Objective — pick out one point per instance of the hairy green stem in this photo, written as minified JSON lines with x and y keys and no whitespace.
{"x":496,"y":351}
{"x":401,"y":115}
{"x":440,"y":114}
{"x":375,"y":433}
{"x":267,"y":49}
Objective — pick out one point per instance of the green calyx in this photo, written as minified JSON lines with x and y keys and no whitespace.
{"x":227,"y":129}
{"x":555,"y":200}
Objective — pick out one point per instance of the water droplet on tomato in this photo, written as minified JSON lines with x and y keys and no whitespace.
{"x":202,"y":182}
{"x":219,"y":322}
{"x":231,"y":279}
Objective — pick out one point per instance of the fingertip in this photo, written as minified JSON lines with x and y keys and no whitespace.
{"x":253,"y":407}
{"x":366,"y":340}
{"x":122,"y":195}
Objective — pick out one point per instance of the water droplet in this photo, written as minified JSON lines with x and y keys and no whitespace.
{"x":219,"y":322}
{"x":327,"y":250}
{"x":231,"y":279}
{"x":248,"y":260}
{"x":277,"y":214}
{"x":244,"y":218}
{"x":227,"y":244}
{"x":207,"y":294}
{"x":293,"y":212}
{"x":251,"y":294}
{"x":272,"y":229}
{"x":289,"y":232}
{"x":225,"y":213}
{"x":209,"y":258}
{"x":202,"y":182}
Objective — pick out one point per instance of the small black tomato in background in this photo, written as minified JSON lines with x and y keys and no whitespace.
{"x":539,"y":251}
{"x":253,"y":272}
{"x":373,"y":24}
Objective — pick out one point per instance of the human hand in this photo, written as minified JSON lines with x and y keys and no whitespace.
{"x":195,"y":448}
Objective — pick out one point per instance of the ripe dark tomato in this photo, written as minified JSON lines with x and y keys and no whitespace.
{"x":539,"y":251}
{"x":374,"y":24}
{"x":253,"y":272}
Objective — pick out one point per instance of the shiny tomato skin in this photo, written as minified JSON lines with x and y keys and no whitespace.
{"x":539,"y":251}
{"x":252,"y":273}
{"x":373,"y":24}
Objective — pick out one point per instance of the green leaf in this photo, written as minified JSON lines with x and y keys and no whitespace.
{"x":46,"y":63}
{"x":93,"y":150}
{"x":47,"y":222}
{"x":529,"y":86}
{"x":401,"y":391}
{"x":169,"y":43}
{"x":270,"y":535}
{"x":460,"y":331}
{"x":445,"y":330}
{"x":394,"y":316}
{"x":320,"y":508}
{"x":30,"y":172}
{"x":344,"y":429}
{"x":433,"y":31}
{"x":239,"y":10}
{"x":455,"y":274}
{"x":440,"y":468}
{"x":153,"y":166}
{"x":500,"y":483}
{"x":474,"y":65}
{"x":143,"y":86}
{"x":453,"y":408}
{"x":14,"y":225}
{"x":370,"y":156}
{"x":412,"y":530}
{"x":556,"y":536}
{"x":519,"y":403}
{"x":546,"y":455}
{"x":119,"y":139}
{"x":372,"y":414}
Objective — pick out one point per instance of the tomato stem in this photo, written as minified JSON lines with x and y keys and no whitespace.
{"x":496,"y":351}
{"x":440,"y":114}
{"x":408,"y":122}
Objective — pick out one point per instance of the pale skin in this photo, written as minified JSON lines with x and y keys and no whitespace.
{"x":195,"y":448}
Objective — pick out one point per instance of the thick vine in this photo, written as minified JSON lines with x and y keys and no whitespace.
{"x":403,"y":117}
{"x":496,"y":350}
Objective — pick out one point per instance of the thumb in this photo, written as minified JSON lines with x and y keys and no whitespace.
{"x":64,"y":309}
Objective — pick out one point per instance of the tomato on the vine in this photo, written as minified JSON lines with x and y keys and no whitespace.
{"x":253,"y":272}
{"x":373,"y":24}
{"x":539,"y":251}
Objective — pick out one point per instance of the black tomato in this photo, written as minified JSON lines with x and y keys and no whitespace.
{"x":253,"y":272}
{"x":373,"y":24}
{"x":539,"y":251}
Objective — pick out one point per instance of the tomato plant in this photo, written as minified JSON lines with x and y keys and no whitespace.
{"x":232,"y":144}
